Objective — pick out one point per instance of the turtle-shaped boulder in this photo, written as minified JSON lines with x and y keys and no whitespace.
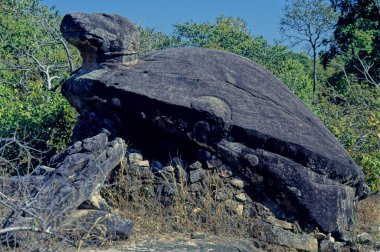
{"x":219,"y":102}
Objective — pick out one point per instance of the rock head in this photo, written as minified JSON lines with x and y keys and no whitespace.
{"x":102,"y":38}
{"x":194,"y":98}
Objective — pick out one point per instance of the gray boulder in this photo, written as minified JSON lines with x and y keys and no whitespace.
{"x":188,"y":99}
{"x":102,"y":38}
{"x":52,"y":200}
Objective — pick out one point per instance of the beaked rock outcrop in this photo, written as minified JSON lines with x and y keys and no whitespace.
{"x":191,"y":99}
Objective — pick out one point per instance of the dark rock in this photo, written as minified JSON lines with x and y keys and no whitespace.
{"x":95,"y":202}
{"x":327,"y":200}
{"x":16,"y":186}
{"x":134,"y":157}
{"x":103,"y":39}
{"x":224,"y":171}
{"x":329,"y":246}
{"x":42,"y":170}
{"x":157,"y":167}
{"x":169,"y":168}
{"x":241,"y":197}
{"x":180,"y":173}
{"x":214,"y":163}
{"x":79,"y":170}
{"x":238,"y":183}
{"x":195,"y":166}
{"x":221,"y":196}
{"x":94,"y":223}
{"x":276,"y":235}
{"x":92,"y":124}
{"x":195,"y":187}
{"x":197,"y":175}
{"x":143,"y":173}
{"x":223,"y":103}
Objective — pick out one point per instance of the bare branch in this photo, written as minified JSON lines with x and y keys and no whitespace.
{"x":365,"y":71}
{"x":62,"y":42}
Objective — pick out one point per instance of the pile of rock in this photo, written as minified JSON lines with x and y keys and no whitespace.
{"x":209,"y":179}
{"x":165,"y":182}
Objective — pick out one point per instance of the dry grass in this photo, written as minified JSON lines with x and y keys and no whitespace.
{"x":189,"y":212}
{"x":368,"y":213}
{"x":368,"y":217}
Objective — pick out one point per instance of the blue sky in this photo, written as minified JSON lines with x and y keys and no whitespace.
{"x":262,"y":16}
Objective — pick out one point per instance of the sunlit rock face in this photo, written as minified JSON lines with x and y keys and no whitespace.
{"x":183,"y":100}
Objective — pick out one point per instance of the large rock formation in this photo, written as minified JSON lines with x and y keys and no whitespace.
{"x":188,"y":99}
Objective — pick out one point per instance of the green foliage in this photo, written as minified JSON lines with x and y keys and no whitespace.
{"x":33,"y":64}
{"x":353,"y":116}
{"x":151,"y":40}
{"x":357,"y":37}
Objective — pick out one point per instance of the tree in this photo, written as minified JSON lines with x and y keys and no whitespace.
{"x":34,"y":60}
{"x":357,"y":38}
{"x":308,"y":22}
{"x":152,"y":40}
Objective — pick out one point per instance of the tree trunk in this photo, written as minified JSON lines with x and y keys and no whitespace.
{"x":314,"y":72}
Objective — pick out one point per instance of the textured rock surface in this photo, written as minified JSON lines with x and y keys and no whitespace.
{"x":191,"y":98}
{"x":102,"y":38}
{"x":78,"y":173}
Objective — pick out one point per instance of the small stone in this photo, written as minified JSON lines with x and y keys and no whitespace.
{"x":198,"y":235}
{"x":170,"y":189}
{"x":326,"y":245}
{"x":240,"y":197}
{"x":364,"y":238}
{"x":196,"y":187}
{"x":157,"y":166}
{"x":221,"y":196}
{"x":95,"y":202}
{"x":42,"y":170}
{"x":197,"y":210}
{"x":142,"y":163}
{"x":330,"y":238}
{"x":214,"y":163}
{"x":234,"y":207}
{"x":195,"y":166}
{"x":145,"y":173}
{"x":320,"y":236}
{"x":224,"y":171}
{"x":116,"y":102}
{"x":238,"y":183}
{"x":169,"y":168}
{"x":240,"y":210}
{"x":281,"y":223}
{"x":252,"y":159}
{"x":209,"y":165}
{"x":134,"y":157}
{"x":197,"y":175}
